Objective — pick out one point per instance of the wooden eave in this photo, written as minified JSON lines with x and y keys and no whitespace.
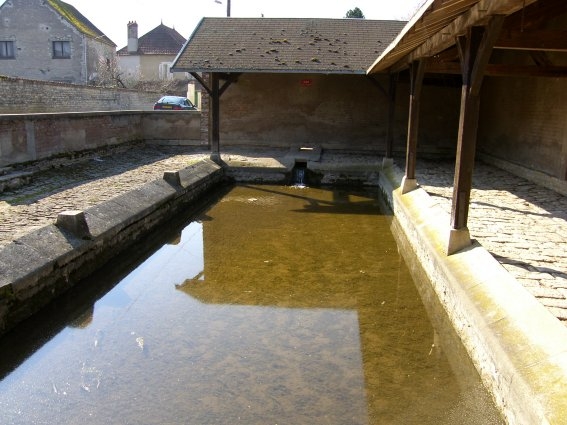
{"x":432,"y":34}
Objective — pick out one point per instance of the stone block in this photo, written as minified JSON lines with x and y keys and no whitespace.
{"x":22,"y":267}
{"x":54,"y":244}
{"x":109,"y":216}
{"x":172,"y":177}
{"x":75,"y":223}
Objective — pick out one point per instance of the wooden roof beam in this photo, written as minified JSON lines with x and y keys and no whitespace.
{"x":500,"y":70}
{"x":535,"y":15}
{"x":548,"y":41}
{"x":479,"y":14}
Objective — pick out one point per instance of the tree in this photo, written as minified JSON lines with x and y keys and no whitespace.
{"x":107,"y":73}
{"x":355,"y":13}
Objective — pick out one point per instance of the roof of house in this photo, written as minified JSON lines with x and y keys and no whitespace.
{"x":162,"y":40}
{"x":79,"y":21}
{"x":332,"y":46}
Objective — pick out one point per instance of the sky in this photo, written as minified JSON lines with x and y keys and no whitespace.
{"x":112,"y":16}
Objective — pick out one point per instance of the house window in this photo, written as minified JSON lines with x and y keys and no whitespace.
{"x":164,"y":73}
{"x":61,"y":49}
{"x":7,"y":50}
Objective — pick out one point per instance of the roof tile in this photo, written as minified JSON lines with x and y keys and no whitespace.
{"x":286,"y":45}
{"x":162,"y":40}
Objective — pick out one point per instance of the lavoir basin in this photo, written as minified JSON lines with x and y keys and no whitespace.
{"x":276,"y":305}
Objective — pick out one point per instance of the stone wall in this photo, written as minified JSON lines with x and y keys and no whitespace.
{"x":33,"y":26}
{"x":29,"y":96}
{"x":331,"y":111}
{"x":25,"y":138}
{"x":522,"y":121}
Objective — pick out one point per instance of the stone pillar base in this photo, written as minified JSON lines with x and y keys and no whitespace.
{"x":458,"y":239}
{"x":216,"y":157}
{"x":387,"y":162}
{"x":408,"y":185}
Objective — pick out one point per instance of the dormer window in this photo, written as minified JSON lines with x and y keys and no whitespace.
{"x":61,"y":50}
{"x":7,"y":50}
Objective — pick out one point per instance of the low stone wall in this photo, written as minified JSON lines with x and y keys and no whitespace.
{"x":517,"y":346}
{"x":24,"y":96}
{"x":32,"y":137}
{"x":41,"y":265}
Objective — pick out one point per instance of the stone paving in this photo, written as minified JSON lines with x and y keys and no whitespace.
{"x":82,"y":185}
{"x":523,"y":225}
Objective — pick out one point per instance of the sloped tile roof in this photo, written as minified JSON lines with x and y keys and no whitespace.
{"x":162,"y":40}
{"x":333,"y":46}
{"x":79,"y":21}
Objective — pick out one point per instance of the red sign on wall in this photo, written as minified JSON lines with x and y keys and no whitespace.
{"x":306,"y":82}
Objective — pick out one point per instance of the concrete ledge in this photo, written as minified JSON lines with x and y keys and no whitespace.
{"x":518,"y":347}
{"x":39,"y":266}
{"x":177,"y":142}
{"x":539,"y":178}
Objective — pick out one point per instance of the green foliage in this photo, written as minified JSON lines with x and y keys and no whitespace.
{"x":68,"y":13}
{"x":355,"y":13}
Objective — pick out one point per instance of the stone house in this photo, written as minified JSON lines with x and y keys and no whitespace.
{"x":51,"y":40}
{"x":149,"y":57}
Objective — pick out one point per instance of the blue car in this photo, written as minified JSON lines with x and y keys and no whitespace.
{"x":174,"y":103}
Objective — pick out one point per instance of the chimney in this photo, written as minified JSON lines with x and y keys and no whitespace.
{"x":132,"y":37}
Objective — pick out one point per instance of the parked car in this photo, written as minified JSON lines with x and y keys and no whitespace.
{"x":175,"y":103}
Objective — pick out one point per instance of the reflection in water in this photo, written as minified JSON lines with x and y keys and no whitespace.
{"x":284,"y":306}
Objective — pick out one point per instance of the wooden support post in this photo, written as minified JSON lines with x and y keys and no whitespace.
{"x":409,"y":181}
{"x":474,"y":48}
{"x":215,"y":118}
{"x":388,"y":160}
{"x":215,"y":92}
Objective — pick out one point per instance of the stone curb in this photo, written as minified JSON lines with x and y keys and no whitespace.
{"x":37,"y":267}
{"x":518,"y":347}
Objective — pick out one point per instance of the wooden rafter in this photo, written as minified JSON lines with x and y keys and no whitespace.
{"x":500,"y":70}
{"x":535,"y":15}
{"x":542,"y":40}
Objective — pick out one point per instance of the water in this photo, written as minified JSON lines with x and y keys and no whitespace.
{"x":276,"y":306}
{"x":299,"y":176}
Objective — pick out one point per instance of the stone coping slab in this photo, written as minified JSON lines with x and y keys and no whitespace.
{"x":518,"y":347}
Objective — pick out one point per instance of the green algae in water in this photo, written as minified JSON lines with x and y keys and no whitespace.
{"x":278,"y":305}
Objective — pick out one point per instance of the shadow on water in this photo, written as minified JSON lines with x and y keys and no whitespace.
{"x":341,"y":202}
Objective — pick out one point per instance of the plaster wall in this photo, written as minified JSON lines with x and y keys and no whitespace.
{"x":100,"y":56}
{"x":330,"y":111}
{"x":146,"y":67}
{"x":438,"y":125}
{"x":130,"y":67}
{"x":522,"y":121}
{"x":303,"y":109}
